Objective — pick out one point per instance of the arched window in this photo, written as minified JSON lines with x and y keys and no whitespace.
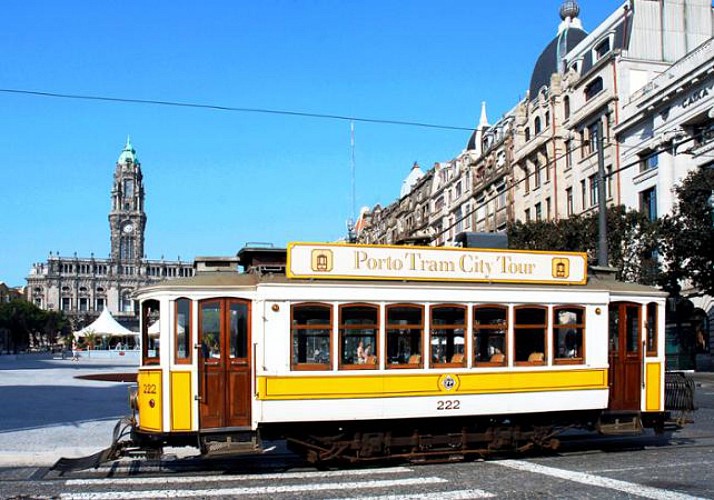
{"x":566,"y":107}
{"x":182,"y":331}
{"x":311,"y":333}
{"x":405,"y":326}
{"x":490,"y":331}
{"x":448,"y":323}
{"x":536,"y":125}
{"x":358,"y":327}
{"x":569,"y":335}
{"x":531,"y":325}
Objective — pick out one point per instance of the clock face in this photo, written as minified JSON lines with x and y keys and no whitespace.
{"x":128,"y":228}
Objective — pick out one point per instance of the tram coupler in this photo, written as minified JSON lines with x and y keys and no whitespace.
{"x":118,"y":449}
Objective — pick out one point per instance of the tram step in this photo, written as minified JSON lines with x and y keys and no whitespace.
{"x":623,"y":424}
{"x":229,"y":445}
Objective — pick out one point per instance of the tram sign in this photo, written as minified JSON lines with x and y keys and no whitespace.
{"x":342,"y":261}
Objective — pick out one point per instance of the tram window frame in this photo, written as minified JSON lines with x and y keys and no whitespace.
{"x":150,"y":312}
{"x":187,"y":340}
{"x":578,"y":327}
{"x":392,"y":329}
{"x":448,"y":329}
{"x":487,"y":329}
{"x":324,"y":329}
{"x":347,"y":330}
{"x":651,"y":328}
{"x":521,"y":328}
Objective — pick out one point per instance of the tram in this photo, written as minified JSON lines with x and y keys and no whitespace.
{"x":364,"y":352}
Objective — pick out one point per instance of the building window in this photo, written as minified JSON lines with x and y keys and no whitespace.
{"x":83,"y":304}
{"x":528,"y":134}
{"x":447,"y":336}
{"x":405,"y":325}
{"x":608,"y":181}
{"x":489,"y":335}
{"x":648,"y":203}
{"x":703,"y":133}
{"x":592,"y":138}
{"x":66,"y":303}
{"x":583,"y":194}
{"x":127,"y":305}
{"x":566,"y":107}
{"x":536,"y":175}
{"x":569,"y":201}
{"x":358,"y":329}
{"x":602,"y":48}
{"x":568,"y":154}
{"x":547,"y":118}
{"x":538,"y":214}
{"x":547,"y":208}
{"x":528,"y":214}
{"x":649,"y":161}
{"x":593,"y":88}
{"x":311,"y":331}
{"x":536,"y":126}
{"x":100,"y":304}
{"x":592,"y":182}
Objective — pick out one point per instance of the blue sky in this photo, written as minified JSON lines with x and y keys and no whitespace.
{"x":215,"y":180}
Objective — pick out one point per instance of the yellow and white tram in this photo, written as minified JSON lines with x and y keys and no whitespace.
{"x":361,"y":352}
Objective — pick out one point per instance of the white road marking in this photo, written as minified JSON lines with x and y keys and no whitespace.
{"x":592,"y":480}
{"x":436,"y":495}
{"x":238,"y":477}
{"x":659,"y":466}
{"x":255,"y":490}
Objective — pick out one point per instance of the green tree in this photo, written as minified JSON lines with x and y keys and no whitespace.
{"x":632,"y":240}
{"x":688,"y":235}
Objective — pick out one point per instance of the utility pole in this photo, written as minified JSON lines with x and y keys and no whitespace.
{"x":602,"y":259}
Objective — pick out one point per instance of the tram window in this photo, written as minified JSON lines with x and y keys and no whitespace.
{"x":651,"y":328}
{"x":238,"y":340}
{"x":614,"y":313}
{"x":359,"y":324}
{"x":405,"y":324}
{"x":529,"y":335}
{"x":568,"y":334}
{"x":490,"y":329}
{"x":311,"y":328}
{"x":632,"y":317}
{"x":447,"y":335}
{"x":150,"y":332}
{"x":210,"y":332}
{"x":182,"y":331}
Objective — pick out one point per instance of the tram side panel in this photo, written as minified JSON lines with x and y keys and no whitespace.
{"x":284,"y":395}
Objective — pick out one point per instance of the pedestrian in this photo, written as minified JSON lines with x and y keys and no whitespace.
{"x":75,"y":350}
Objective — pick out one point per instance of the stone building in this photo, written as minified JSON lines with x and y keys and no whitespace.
{"x":82,"y":287}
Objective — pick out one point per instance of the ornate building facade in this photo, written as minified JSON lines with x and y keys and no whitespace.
{"x":82,"y":287}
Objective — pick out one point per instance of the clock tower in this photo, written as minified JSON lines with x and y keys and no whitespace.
{"x":127,"y":219}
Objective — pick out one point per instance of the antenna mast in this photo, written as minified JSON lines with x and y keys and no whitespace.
{"x":351,"y":221}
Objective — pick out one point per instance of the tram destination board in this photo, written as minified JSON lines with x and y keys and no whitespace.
{"x":383,"y":262}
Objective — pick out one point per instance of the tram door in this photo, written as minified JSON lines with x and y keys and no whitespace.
{"x":625,"y":356}
{"x":224,"y":363}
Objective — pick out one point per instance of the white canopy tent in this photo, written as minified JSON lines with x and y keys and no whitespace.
{"x":105,"y":326}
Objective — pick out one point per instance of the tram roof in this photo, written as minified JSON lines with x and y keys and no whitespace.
{"x":229,"y":279}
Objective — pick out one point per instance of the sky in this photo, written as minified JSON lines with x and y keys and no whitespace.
{"x":216,"y":180}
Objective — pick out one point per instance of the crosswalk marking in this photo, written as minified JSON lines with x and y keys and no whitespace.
{"x":436,"y":495}
{"x":254,"y":490}
{"x":592,"y":480}
{"x":237,"y":477}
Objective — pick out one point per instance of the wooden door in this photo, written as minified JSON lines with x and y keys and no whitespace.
{"x":224,"y":363}
{"x":625,"y":374}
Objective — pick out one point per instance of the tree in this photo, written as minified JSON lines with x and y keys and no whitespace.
{"x":29,"y":325}
{"x":688,"y":235}
{"x":632,"y":240}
